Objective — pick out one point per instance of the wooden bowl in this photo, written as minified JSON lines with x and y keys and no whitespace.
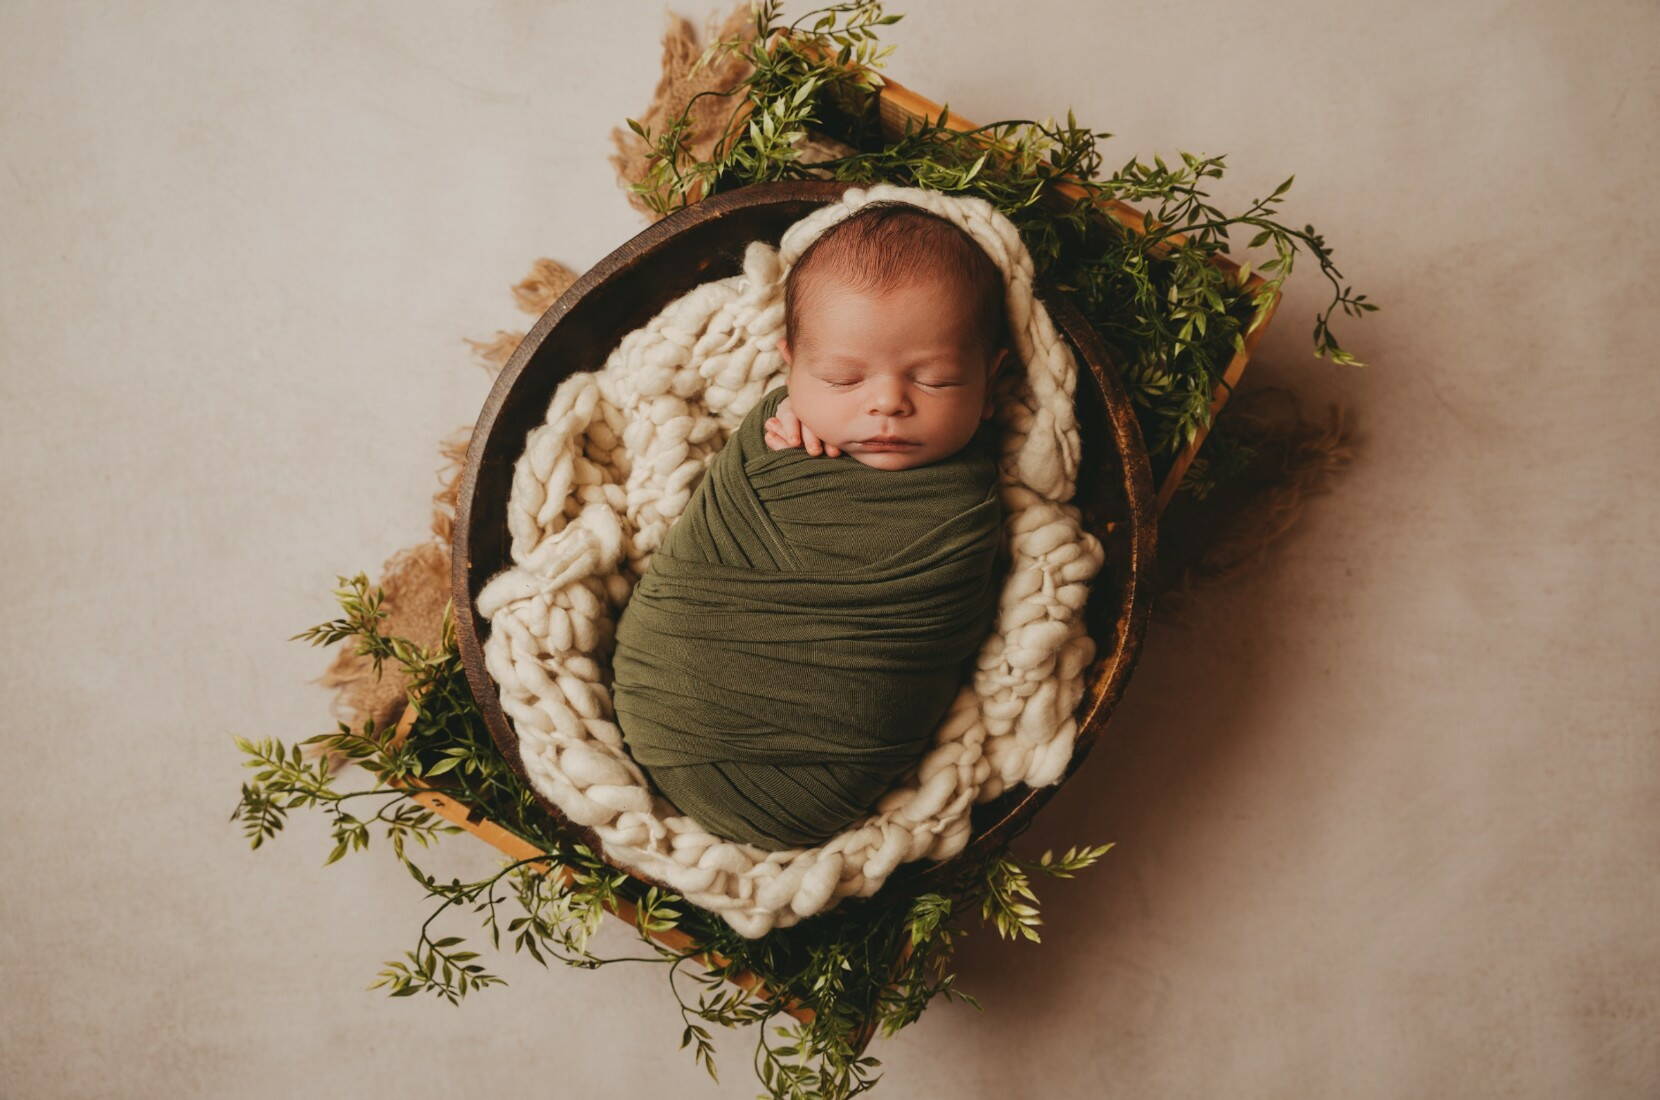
{"x":706,"y":241}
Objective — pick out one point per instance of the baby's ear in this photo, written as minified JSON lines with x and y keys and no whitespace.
{"x":784,"y":348}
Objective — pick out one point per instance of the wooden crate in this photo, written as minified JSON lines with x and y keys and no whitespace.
{"x":899,"y":108}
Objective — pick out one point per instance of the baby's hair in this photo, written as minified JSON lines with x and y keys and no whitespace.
{"x":885,"y":243}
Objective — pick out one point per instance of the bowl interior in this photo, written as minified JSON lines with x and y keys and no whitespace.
{"x":706,"y":241}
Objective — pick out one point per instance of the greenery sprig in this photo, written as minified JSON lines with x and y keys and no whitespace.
{"x":877,"y":961}
{"x":1172,"y":315}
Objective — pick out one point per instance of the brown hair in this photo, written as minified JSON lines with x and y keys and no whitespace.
{"x":885,"y":243}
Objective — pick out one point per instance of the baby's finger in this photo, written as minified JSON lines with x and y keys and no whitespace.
{"x":812,"y":442}
{"x":786,"y":431}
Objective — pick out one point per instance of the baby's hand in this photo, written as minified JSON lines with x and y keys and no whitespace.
{"x":785,"y":429}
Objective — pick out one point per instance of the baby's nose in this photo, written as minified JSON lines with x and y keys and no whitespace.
{"x":886,"y":400}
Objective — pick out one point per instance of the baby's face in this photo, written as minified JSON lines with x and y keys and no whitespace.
{"x":900,"y":363}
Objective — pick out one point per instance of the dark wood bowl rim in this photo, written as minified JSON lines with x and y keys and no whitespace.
{"x":1105,"y":678}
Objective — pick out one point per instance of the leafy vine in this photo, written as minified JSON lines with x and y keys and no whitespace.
{"x":1173,"y":315}
{"x":871,"y":964}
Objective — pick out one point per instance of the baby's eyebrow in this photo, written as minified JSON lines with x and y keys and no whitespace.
{"x":928,"y":357}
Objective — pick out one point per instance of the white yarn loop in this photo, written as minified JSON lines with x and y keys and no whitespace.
{"x":615,"y":462}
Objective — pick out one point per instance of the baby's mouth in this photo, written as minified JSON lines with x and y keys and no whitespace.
{"x":887,"y":442}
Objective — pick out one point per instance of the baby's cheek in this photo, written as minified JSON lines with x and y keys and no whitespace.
{"x":826,"y":428}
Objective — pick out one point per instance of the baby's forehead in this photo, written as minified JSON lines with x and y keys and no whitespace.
{"x":829,"y":283}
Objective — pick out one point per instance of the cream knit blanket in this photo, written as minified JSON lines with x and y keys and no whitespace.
{"x":613,"y":465}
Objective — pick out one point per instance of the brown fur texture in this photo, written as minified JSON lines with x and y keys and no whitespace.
{"x":415,"y":582}
{"x":709,"y":116}
{"x":1201,"y":543}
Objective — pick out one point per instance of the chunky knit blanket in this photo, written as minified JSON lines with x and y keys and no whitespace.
{"x":802,"y":630}
{"x":614,"y":464}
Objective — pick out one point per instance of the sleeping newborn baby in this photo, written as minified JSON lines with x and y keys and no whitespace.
{"x":807,"y":621}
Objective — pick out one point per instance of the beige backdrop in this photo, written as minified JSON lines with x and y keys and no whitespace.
{"x":1385,"y":810}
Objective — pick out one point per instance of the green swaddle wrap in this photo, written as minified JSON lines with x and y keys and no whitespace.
{"x":801,"y":631}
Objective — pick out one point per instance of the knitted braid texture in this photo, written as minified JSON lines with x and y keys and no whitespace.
{"x":615,"y":462}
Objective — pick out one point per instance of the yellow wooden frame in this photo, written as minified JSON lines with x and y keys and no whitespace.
{"x":898,"y":108}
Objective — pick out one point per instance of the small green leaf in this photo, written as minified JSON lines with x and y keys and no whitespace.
{"x":444,"y":765}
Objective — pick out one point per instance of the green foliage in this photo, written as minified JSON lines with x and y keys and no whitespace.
{"x":1172,"y":316}
{"x":1174,"y":320}
{"x":1009,"y":881}
{"x":874,"y":962}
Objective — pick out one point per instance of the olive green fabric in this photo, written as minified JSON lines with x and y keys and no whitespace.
{"x":802,"y":630}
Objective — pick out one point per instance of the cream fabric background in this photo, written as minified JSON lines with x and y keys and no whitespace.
{"x":1385,"y":811}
